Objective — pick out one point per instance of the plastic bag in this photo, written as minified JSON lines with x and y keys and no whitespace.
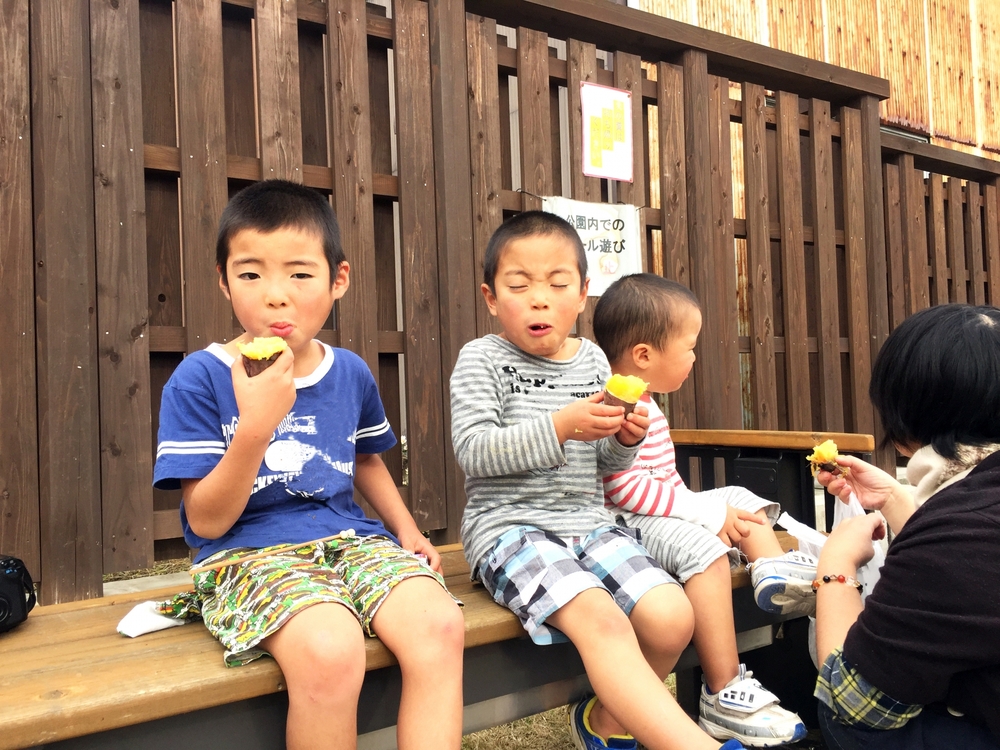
{"x":870,"y":572}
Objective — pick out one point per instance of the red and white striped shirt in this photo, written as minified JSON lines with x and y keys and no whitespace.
{"x":652,"y":486}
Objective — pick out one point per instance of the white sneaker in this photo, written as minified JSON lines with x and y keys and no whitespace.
{"x":745,"y":711}
{"x":783,"y":585}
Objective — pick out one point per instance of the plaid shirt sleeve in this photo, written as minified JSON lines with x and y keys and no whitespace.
{"x":854,"y":700}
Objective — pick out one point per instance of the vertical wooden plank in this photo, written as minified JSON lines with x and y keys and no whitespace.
{"x":762,"y":361}
{"x":955,"y":229}
{"x":350,"y":157}
{"x":628,"y":76}
{"x":581,"y":67}
{"x":485,"y":115}
{"x":122,"y":311}
{"x":673,"y":212}
{"x":825,"y":248}
{"x":911,"y":207}
{"x":280,"y":121}
{"x":697,"y":129}
{"x":991,"y":219}
{"x":720,"y":330}
{"x":19,"y":510}
{"x":534,"y":116}
{"x":449,"y":80}
{"x":858,"y":330}
{"x":974,"y":243}
{"x":421,"y":303}
{"x":894,"y":245}
{"x":66,"y":299}
{"x":937,"y":235}
{"x":793,"y":270}
{"x":874,"y":231}
{"x":202,"y":133}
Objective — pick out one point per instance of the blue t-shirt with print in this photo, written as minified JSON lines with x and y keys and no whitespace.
{"x":305,"y":485}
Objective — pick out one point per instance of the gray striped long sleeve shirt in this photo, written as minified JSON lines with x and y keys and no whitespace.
{"x":517,"y":473}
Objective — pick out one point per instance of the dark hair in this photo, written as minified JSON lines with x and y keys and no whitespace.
{"x":270,"y":205}
{"x":936,"y":380}
{"x":530,"y":224}
{"x":636,"y":309}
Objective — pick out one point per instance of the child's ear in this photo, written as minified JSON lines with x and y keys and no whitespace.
{"x":341,"y":280}
{"x":222,"y":283}
{"x":583,"y":294}
{"x":491,"y":300}
{"x":641,"y":356}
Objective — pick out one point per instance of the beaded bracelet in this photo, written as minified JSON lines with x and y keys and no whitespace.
{"x":838,"y":579}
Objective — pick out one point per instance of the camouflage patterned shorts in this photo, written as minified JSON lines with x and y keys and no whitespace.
{"x":243,"y":604}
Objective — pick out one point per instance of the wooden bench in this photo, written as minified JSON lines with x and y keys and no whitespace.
{"x":68,"y":680}
{"x":67,"y":674}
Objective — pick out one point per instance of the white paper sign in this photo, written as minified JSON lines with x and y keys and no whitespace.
{"x":607,"y":132}
{"x":610,"y":235}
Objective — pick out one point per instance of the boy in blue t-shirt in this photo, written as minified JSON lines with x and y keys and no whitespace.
{"x":272,"y":461}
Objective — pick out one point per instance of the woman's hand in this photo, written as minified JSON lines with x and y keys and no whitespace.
{"x":872,"y":486}
{"x":849,"y":546}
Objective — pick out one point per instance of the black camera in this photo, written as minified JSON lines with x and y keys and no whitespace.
{"x":17,"y":593}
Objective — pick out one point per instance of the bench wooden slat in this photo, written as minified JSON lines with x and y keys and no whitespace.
{"x":777,"y":439}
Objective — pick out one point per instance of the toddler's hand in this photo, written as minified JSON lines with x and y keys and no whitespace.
{"x":587,"y":419}
{"x":736,"y":528}
{"x":265,"y":399}
{"x":634,"y":426}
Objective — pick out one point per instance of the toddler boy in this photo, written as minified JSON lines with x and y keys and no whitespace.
{"x":648,"y":327}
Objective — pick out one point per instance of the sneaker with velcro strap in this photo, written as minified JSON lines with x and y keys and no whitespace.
{"x":744,"y":711}
{"x":584,"y":738}
{"x":783,"y":585}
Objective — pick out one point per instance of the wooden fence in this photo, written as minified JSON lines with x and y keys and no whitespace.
{"x":129,"y":124}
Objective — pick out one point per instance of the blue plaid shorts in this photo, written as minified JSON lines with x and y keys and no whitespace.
{"x":534,"y":573}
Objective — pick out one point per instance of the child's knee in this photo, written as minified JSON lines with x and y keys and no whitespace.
{"x":436,"y":636}
{"x":327,"y":663}
{"x":664,"y":617}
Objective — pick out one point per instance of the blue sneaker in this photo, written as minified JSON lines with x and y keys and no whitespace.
{"x":584,"y":737}
{"x":732,"y":745}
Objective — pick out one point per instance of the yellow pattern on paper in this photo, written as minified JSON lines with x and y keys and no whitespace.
{"x":596,"y":151}
{"x":619,"y":121}
{"x":607,"y":129}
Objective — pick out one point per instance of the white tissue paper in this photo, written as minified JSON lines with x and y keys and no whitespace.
{"x":144,"y":618}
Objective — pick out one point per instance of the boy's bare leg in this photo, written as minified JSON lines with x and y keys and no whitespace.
{"x":710,"y":594}
{"x":631,"y":693}
{"x":424,"y":628}
{"x":761,"y":542}
{"x":663,"y":621}
{"x":321,"y":652}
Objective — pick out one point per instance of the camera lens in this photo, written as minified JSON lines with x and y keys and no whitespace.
{"x":4,"y":609}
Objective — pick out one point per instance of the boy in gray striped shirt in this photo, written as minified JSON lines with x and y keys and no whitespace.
{"x":534,"y":439}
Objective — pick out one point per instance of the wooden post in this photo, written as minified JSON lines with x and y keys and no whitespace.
{"x":122,"y":302}
{"x":66,"y":302}
{"x":278,"y":107}
{"x":19,"y":519}
{"x":351,"y":165}
{"x":457,"y":272}
{"x":201,"y":119}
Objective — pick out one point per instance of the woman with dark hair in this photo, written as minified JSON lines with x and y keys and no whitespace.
{"x":918,"y":667}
